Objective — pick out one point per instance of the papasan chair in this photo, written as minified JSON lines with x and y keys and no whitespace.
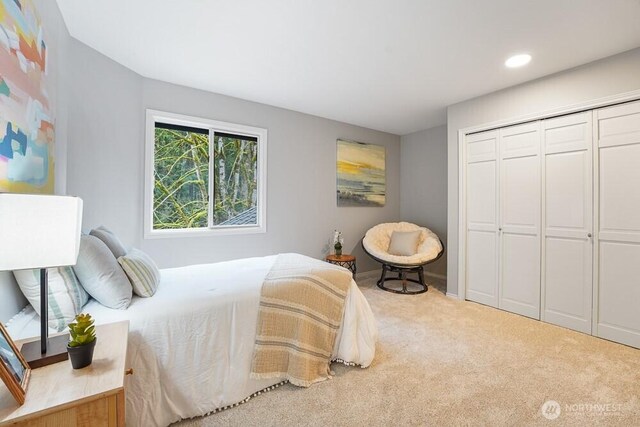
{"x":425,"y":249}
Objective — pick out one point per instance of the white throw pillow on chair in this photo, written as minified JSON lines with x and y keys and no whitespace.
{"x":404,"y":243}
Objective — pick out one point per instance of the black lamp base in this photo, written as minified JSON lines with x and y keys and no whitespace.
{"x":46,"y":351}
{"x":56,"y":352}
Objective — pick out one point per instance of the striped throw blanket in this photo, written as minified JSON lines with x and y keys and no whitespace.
{"x":301,"y":308}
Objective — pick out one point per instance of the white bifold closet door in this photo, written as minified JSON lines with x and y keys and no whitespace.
{"x":618,"y":250}
{"x":482,"y":217}
{"x":519,"y":230}
{"x":568,"y":219}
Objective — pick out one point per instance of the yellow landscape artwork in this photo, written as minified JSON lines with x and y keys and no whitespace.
{"x":361,"y":174}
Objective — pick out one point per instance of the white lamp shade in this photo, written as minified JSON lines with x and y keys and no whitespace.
{"x":38,"y":231}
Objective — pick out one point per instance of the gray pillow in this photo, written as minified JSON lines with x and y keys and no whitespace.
{"x":101,"y":275}
{"x":404,"y":243}
{"x":111,"y":240}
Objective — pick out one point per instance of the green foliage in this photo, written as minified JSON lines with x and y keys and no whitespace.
{"x":181,"y":192}
{"x":82,"y":331}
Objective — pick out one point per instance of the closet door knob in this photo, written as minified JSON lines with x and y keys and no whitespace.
{"x":500,"y":229}
{"x":589,"y":235}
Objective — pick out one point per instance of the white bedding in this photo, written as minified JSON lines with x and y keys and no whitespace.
{"x":191,"y":344}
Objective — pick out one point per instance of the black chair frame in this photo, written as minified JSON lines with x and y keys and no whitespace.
{"x":403,"y":270}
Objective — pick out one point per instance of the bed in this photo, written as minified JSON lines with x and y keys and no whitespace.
{"x":191,"y":344}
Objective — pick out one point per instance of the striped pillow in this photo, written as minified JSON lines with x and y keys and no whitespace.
{"x":66,"y":295}
{"x":142,"y":272}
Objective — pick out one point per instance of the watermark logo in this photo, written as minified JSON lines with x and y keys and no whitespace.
{"x":551,"y":409}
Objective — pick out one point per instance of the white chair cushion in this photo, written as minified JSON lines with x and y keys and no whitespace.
{"x":377,"y":240}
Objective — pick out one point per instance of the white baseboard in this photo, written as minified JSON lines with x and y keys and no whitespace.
{"x":452,"y":295}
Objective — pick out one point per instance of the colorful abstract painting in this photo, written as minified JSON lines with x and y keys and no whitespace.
{"x":361,"y":174}
{"x":26,"y":118}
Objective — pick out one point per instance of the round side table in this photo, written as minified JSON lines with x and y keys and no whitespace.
{"x":345,"y":260}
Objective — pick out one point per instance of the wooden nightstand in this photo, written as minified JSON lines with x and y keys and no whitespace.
{"x":58,"y":395}
{"x":344,"y":260}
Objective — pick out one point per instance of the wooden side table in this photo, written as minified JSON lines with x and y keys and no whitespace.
{"x":345,"y":260}
{"x":58,"y":395}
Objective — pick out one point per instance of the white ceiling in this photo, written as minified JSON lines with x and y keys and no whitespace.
{"x":391,"y":65}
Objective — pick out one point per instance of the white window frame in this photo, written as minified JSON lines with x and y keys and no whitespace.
{"x":154,"y":116}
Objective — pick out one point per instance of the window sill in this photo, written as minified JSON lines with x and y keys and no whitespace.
{"x":204,"y":232}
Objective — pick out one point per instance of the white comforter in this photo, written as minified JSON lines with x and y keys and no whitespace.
{"x":191,"y":344}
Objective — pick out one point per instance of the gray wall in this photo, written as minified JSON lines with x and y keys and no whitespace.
{"x":106,"y":166}
{"x":57,"y":39}
{"x":423,"y":184}
{"x":11,"y":298}
{"x":105,"y":142}
{"x":614,"y":75}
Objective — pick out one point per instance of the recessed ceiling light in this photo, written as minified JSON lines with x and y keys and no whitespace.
{"x":518,"y":60}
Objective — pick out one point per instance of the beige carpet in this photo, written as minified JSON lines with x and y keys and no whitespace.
{"x":441,"y":361}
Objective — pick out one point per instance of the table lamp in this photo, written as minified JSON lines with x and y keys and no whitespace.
{"x":40,"y":231}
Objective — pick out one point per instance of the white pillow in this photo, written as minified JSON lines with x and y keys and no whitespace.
{"x":142,"y":272}
{"x":100,"y":274}
{"x":404,"y":243}
{"x":66,"y":295}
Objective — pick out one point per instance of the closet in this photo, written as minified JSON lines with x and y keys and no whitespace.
{"x":617,"y":263}
{"x":551,"y":217}
{"x":568,"y":221}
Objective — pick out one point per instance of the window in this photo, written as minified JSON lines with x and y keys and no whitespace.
{"x":203,"y":177}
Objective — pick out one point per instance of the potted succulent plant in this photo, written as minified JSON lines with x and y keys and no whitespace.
{"x":82,"y":342}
